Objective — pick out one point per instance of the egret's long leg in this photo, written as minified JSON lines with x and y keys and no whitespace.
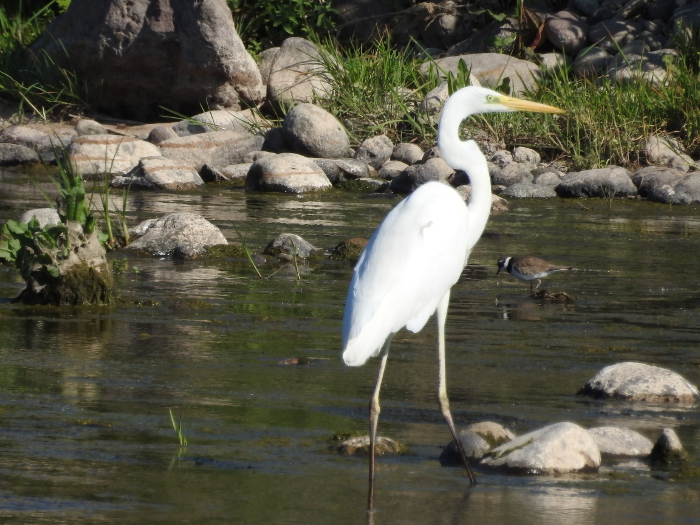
{"x":373,"y":418}
{"x":442,"y":383}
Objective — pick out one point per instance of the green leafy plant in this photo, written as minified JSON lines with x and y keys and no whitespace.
{"x":264,"y":23}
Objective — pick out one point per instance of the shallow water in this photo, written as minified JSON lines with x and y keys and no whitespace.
{"x":85,"y":435}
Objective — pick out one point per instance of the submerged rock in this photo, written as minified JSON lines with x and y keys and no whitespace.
{"x":383,"y":446}
{"x":603,"y":182}
{"x":555,"y":449}
{"x":633,"y":381}
{"x":159,"y":173}
{"x":621,"y":442}
{"x":288,"y":245}
{"x":349,"y":249}
{"x":474,"y":447}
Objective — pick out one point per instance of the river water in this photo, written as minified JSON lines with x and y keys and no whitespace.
{"x":85,"y":430}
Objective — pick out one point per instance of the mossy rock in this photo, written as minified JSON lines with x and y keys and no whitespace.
{"x":349,"y":249}
{"x":226,"y":250}
{"x":74,"y":272}
{"x":358,"y":185}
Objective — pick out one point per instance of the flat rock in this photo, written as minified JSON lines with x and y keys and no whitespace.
{"x":597,"y":183}
{"x":287,"y":243}
{"x":526,"y":156}
{"x":633,"y":381}
{"x":178,"y":232}
{"x":296,"y":74}
{"x":418,"y":174}
{"x":218,"y":120}
{"x":95,"y":155}
{"x":287,"y":173}
{"x":375,"y":151}
{"x":555,"y":449}
{"x":217,"y":149}
{"x":509,"y":174}
{"x":492,"y":69}
{"x":45,"y":216}
{"x":338,"y":170}
{"x":16,"y":155}
{"x":311,"y":130}
{"x":649,"y":67}
{"x":407,"y":153}
{"x":160,"y":173}
{"x":621,"y":442}
{"x":529,"y":190}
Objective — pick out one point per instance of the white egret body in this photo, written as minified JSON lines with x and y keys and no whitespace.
{"x":419,"y":251}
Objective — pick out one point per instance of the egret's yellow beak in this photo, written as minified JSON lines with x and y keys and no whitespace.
{"x":517,"y":104}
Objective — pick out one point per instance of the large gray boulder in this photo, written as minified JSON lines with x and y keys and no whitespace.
{"x":287,"y":173}
{"x":218,"y":149}
{"x":311,"y":130}
{"x":96,"y":155}
{"x":633,"y":381}
{"x":185,"y":234}
{"x":621,"y":442}
{"x":602,"y":182}
{"x":555,"y":449}
{"x":140,"y":55}
{"x":296,"y":74}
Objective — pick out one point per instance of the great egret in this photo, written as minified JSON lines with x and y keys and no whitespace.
{"x":529,"y":269}
{"x":419,"y":251}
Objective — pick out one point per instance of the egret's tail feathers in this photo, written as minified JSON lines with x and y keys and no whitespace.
{"x":367,"y":344}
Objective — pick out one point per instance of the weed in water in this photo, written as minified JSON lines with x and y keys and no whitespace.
{"x":244,"y":245}
{"x":177,"y":427}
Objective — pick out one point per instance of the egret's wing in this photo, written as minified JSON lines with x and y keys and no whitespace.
{"x":410,"y":263}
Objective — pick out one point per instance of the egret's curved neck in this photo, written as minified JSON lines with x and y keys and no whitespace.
{"x":466,"y":156}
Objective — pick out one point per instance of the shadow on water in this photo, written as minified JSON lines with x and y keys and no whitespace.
{"x":84,"y":393}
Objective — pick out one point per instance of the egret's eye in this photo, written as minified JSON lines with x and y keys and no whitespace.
{"x":489,"y":98}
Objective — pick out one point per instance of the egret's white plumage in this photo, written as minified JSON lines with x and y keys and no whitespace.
{"x":419,"y":251}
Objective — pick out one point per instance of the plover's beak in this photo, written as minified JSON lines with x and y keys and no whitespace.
{"x":498,"y":270}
